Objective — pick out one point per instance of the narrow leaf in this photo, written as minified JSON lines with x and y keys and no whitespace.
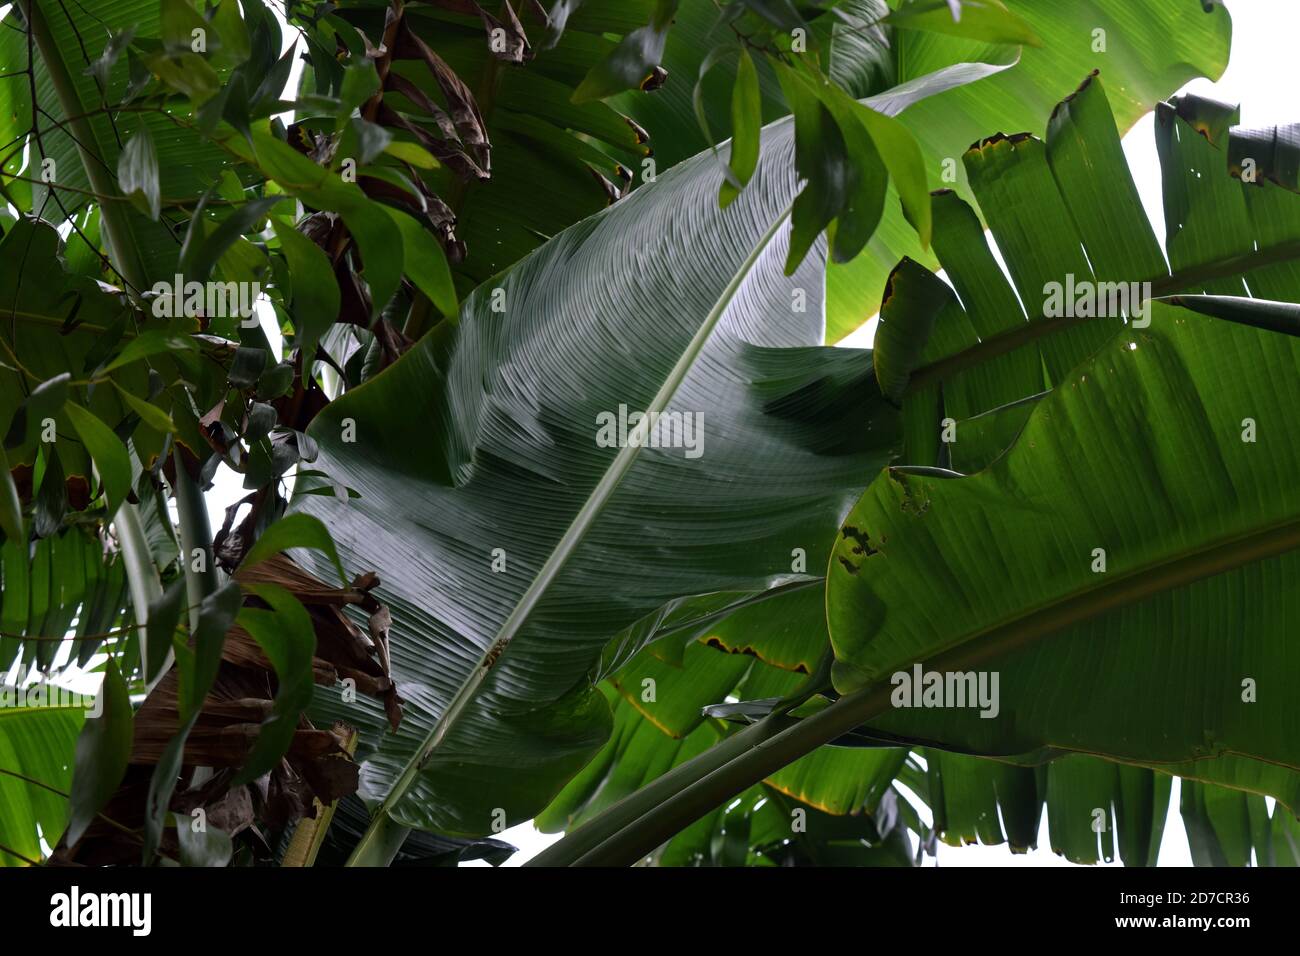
{"x":103,"y":750}
{"x":294,"y":531}
{"x":107,"y":451}
{"x":286,"y":634}
{"x":746,"y":124}
{"x":137,"y":173}
{"x":425,"y":263}
{"x":315,"y":293}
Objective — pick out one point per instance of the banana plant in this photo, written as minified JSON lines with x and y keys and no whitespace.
{"x":1052,"y":509}
{"x":726,"y":351}
{"x":502,"y":650}
{"x":667,"y":709}
{"x":630,"y":436}
{"x":745,"y":295}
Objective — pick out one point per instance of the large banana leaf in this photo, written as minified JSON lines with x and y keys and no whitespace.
{"x":1094,"y":807}
{"x":1139,"y":454}
{"x":1064,"y":212}
{"x":1150,"y":50}
{"x":1150,"y":403}
{"x":1082,"y":175}
{"x":479,"y":446}
{"x":35,"y":744}
{"x":1143,"y":451}
{"x":672,"y":698}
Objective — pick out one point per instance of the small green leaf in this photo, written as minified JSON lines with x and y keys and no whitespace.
{"x":196,"y":664}
{"x":150,"y":414}
{"x":11,"y":508}
{"x":235,"y":44}
{"x":197,"y":672}
{"x":187,"y":73}
{"x":137,"y":173}
{"x":177,"y":22}
{"x":294,"y":531}
{"x":903,"y":158}
{"x":44,"y":401}
{"x":425,"y":263}
{"x":164,"y":616}
{"x":247,"y":366}
{"x":360,"y":82}
{"x":52,"y":499}
{"x":103,"y":64}
{"x":103,"y":751}
{"x":369,"y":139}
{"x":107,"y":451}
{"x":207,"y":846}
{"x":161,"y":786}
{"x":151,"y":343}
{"x":746,"y":127}
{"x":412,"y":153}
{"x":201,"y":252}
{"x":846,"y":180}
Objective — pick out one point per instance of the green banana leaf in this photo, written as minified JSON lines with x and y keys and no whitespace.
{"x":1102,"y":463}
{"x":924,"y":323}
{"x":35,"y":776}
{"x":1094,"y":807}
{"x":766,"y":824}
{"x":63,"y":586}
{"x":479,"y":449}
{"x":673,"y":697}
{"x":1149,"y":52}
{"x":1194,"y":592}
{"x":1230,"y":828}
{"x":763,"y":827}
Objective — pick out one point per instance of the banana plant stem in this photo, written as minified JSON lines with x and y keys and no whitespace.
{"x":762,"y":754}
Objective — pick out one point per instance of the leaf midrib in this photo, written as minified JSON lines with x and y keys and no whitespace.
{"x":1031,"y":331}
{"x":1132,"y":587}
{"x":564,"y":548}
